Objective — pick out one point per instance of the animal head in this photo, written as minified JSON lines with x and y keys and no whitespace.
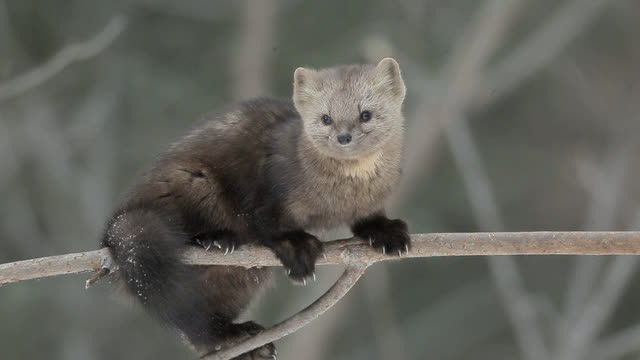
{"x":350,"y":111}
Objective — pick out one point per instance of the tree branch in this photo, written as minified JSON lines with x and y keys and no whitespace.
{"x":354,"y":250}
{"x":354,"y":253}
{"x":351,"y":274}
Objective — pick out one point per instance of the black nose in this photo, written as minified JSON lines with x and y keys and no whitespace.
{"x":344,"y":138}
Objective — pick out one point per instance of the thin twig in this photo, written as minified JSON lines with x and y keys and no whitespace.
{"x":65,"y":57}
{"x":351,"y":274}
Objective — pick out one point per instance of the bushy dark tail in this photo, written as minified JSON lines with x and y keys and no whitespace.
{"x":147,"y":250}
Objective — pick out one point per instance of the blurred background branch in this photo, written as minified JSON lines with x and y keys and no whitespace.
{"x":67,"y":56}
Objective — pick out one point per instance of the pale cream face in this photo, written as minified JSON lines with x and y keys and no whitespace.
{"x":350,"y":112}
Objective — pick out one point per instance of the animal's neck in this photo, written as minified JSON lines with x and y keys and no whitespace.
{"x":369,"y":166}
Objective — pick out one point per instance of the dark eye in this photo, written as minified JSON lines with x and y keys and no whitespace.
{"x":365,"y":116}
{"x":326,"y":119}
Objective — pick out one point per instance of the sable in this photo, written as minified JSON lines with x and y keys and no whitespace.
{"x":264,"y":172}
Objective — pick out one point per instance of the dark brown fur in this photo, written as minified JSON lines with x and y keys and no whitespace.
{"x":262,"y":171}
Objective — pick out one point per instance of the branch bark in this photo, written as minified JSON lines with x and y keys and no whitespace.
{"x":355,"y":254}
{"x":351,"y":274}
{"x":354,"y":250}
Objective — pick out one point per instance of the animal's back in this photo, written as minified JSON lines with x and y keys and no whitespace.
{"x":212,"y":173}
{"x":192,"y":191}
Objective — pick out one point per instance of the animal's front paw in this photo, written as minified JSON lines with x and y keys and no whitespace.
{"x":298,"y":252}
{"x":226,"y":241}
{"x":387,"y":236}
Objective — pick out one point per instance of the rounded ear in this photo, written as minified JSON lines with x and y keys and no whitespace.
{"x":300,"y":77}
{"x":303,"y":86}
{"x":389,"y":78}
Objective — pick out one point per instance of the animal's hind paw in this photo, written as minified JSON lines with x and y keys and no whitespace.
{"x":226,"y":241}
{"x":264,"y":352}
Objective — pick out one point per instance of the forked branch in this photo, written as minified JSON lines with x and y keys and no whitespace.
{"x":351,"y":274}
{"x":355,"y":254}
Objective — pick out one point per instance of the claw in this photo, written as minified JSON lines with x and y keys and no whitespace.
{"x":274,"y":357}
{"x":275,"y":352}
{"x":314,"y":276}
{"x":370,"y":242}
{"x":288,"y":272}
{"x":384,"y":251}
{"x":206,"y":248}
{"x":217,"y":244}
{"x":399,"y":252}
{"x":406,"y":247}
{"x":324,"y":256}
{"x":226,"y":251}
{"x":304,"y":281}
{"x":233,"y":247}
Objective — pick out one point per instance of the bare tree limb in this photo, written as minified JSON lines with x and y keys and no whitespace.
{"x":357,"y":255}
{"x":351,"y":274}
{"x":65,"y":57}
{"x":355,"y":250}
